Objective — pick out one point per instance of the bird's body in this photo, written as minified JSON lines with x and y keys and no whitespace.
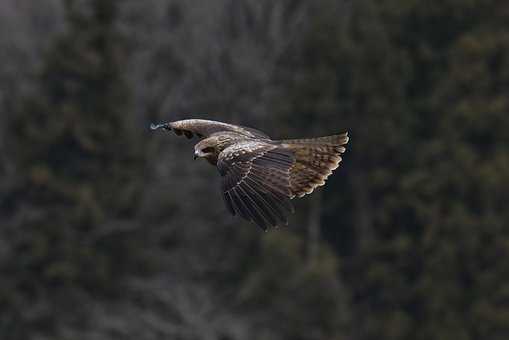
{"x":260,"y":175}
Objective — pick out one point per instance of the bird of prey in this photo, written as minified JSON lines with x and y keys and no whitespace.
{"x":259,"y":176}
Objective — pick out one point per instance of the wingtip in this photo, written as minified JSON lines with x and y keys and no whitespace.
{"x":165,"y":126}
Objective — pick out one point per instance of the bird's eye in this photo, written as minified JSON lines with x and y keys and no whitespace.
{"x":208,"y":150}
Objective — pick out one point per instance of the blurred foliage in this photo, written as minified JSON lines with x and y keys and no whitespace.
{"x":422,"y":88}
{"x":281,"y":275}
{"x":79,"y":167}
{"x":107,"y":232}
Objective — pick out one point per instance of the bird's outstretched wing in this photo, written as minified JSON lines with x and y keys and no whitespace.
{"x":256,"y":181}
{"x":205,"y":128}
{"x":259,"y":178}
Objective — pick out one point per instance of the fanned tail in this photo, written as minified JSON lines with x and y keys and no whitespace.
{"x":315,"y":159}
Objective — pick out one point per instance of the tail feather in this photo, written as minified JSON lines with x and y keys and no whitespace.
{"x":334,"y":140}
{"x":315,"y":159}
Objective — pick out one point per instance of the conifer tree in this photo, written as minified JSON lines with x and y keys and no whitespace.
{"x":79,"y":165}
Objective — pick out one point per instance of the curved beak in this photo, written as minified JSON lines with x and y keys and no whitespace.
{"x":196,"y":155}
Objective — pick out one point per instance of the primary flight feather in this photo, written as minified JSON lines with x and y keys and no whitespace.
{"x":260,"y":175}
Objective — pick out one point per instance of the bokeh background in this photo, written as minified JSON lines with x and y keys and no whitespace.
{"x":110,"y":231}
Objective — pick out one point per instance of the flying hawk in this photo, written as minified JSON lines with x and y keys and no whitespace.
{"x":260,"y":175}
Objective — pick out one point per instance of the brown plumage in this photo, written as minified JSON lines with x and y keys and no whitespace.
{"x":260,"y":175}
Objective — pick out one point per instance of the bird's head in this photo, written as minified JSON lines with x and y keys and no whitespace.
{"x":207,"y":149}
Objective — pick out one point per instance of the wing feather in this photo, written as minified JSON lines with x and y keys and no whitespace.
{"x":205,"y":128}
{"x":228,"y":202}
{"x":256,"y":181}
{"x":261,"y":213}
{"x":262,"y":199}
{"x":239,"y":205}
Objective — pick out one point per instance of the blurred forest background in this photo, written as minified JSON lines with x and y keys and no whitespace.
{"x":108,"y":231}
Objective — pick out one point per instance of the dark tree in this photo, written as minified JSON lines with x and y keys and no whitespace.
{"x":78,"y":166}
